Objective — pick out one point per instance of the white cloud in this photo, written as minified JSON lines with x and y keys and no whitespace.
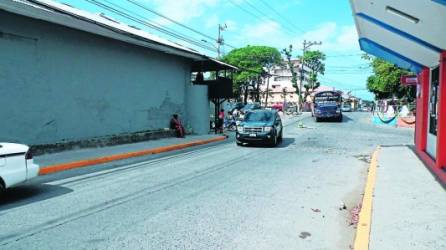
{"x":334,"y":38}
{"x":232,"y":25}
{"x":212,"y":21}
{"x":348,"y":38}
{"x":324,"y":32}
{"x":262,"y":30}
{"x":182,"y":10}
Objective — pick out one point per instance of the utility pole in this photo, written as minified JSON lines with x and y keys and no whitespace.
{"x":220,"y":40}
{"x":268,"y":75}
{"x":306,"y":45}
{"x":267,"y":88}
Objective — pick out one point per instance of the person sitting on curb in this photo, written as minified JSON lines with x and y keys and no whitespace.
{"x":175,"y":124}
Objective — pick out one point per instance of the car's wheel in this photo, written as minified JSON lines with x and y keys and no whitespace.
{"x":317,"y":119}
{"x":340,"y":118}
{"x":2,"y":189}
{"x":274,"y":141}
{"x":281,"y":135}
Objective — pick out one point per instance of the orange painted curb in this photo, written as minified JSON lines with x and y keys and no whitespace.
{"x":89,"y":162}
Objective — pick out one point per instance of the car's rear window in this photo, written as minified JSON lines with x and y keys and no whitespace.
{"x":259,"y":117}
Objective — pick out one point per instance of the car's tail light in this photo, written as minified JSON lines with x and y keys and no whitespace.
{"x":29,"y":155}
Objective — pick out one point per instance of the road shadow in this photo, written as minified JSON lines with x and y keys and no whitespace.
{"x":345,"y":119}
{"x":24,"y":195}
{"x":414,"y":150}
{"x":286,"y":142}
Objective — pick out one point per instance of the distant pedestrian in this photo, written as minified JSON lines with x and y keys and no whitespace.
{"x":221,"y":118}
{"x":175,"y":124}
{"x":235,"y":113}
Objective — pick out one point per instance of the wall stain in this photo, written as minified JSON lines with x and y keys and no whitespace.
{"x":159,"y":116}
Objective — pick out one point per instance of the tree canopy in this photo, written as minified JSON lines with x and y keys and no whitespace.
{"x":385,"y":81}
{"x":314,"y":60}
{"x":251,"y":60}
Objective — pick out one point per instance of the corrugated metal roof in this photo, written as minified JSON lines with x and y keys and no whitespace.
{"x":68,"y":16}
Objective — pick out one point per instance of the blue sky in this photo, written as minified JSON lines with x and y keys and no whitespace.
{"x":276,"y":23}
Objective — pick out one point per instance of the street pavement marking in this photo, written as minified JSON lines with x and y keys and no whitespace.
{"x":362,"y":238}
{"x":116,"y":157}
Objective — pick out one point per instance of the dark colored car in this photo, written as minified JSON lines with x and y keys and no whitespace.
{"x":232,"y":106}
{"x":260,"y":126}
{"x":327,"y":105}
{"x":250,"y":106}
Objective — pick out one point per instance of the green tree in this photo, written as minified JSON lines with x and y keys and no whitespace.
{"x":251,"y":60}
{"x":288,"y":54}
{"x":314,"y":61}
{"x":385,"y":81}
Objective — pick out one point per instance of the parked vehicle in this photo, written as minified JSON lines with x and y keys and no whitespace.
{"x":230,"y":124}
{"x":346,"y":107}
{"x":327,"y":105}
{"x":278,"y":107}
{"x":248,"y":108}
{"x":231,"y":106}
{"x":365,"y":109}
{"x":260,"y":126}
{"x":16,"y":165}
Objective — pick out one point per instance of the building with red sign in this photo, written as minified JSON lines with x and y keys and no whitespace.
{"x":410,"y":34}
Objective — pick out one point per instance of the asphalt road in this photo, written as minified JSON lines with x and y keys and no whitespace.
{"x":217,"y":197}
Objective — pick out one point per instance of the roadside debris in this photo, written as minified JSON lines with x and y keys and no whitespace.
{"x":316,"y":210}
{"x":355,"y":215}
{"x":343,"y":206}
{"x":364,"y":158}
{"x":304,"y":235}
{"x":301,"y":125}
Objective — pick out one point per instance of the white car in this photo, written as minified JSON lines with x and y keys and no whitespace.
{"x":16,"y":165}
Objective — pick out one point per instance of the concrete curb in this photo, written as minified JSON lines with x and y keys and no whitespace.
{"x":362,"y":238}
{"x":116,"y":157}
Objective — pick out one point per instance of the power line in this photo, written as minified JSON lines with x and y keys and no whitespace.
{"x":348,"y":67}
{"x":259,"y":17}
{"x":245,"y":10}
{"x":148,"y":24}
{"x":281,"y":16}
{"x":162,"y":29}
{"x":345,"y":73}
{"x":344,"y":55}
{"x":265,"y":16}
{"x":170,"y":19}
{"x":174,"y":21}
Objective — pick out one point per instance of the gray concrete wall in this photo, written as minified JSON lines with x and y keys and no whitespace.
{"x":61,"y":84}
{"x":197,"y":108}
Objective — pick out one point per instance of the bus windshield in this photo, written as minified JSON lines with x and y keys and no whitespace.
{"x":327,"y":98}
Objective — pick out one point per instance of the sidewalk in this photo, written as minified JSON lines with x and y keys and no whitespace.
{"x":71,"y":159}
{"x":409,"y":205}
{"x":123,"y":151}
